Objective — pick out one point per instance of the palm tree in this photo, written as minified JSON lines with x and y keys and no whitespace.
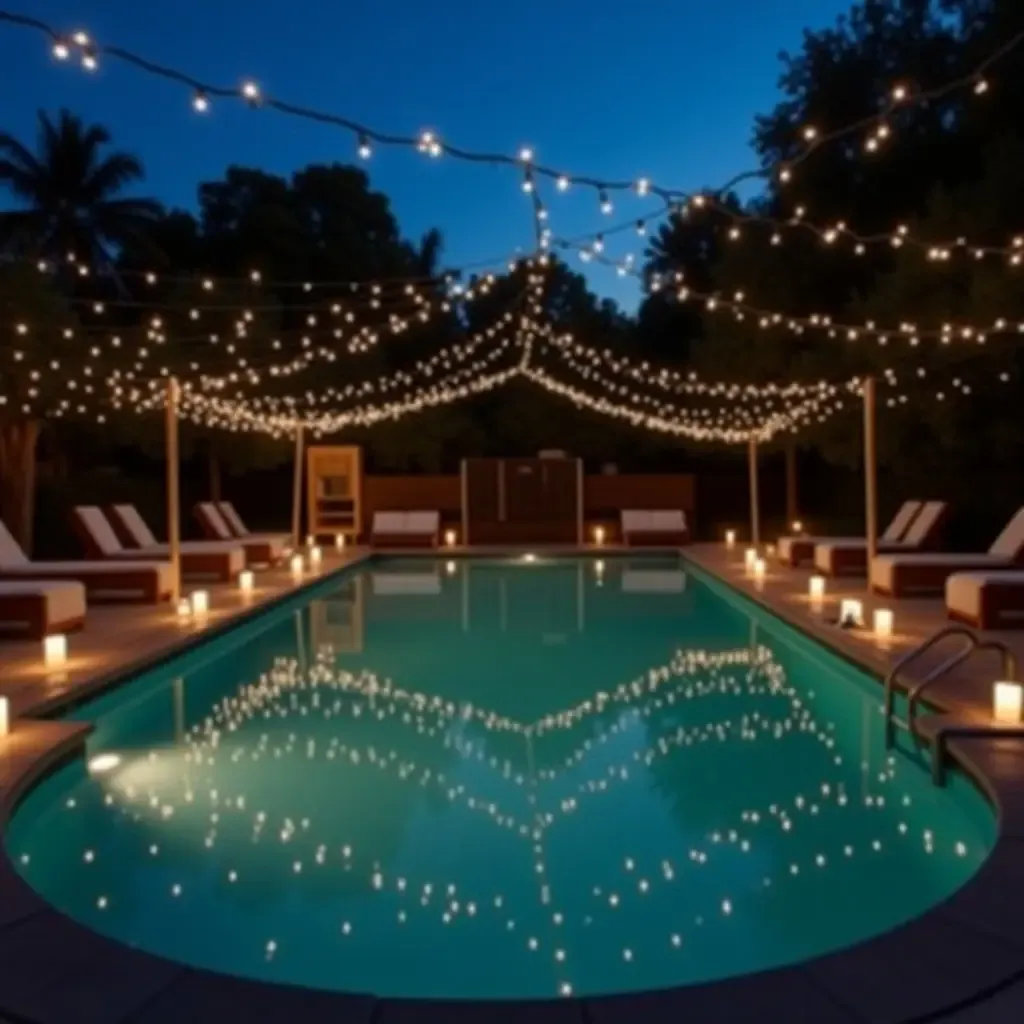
{"x":69,"y":193}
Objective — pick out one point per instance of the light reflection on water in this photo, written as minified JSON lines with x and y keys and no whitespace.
{"x":497,"y":779}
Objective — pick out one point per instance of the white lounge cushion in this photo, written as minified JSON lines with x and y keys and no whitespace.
{"x":79,"y":570}
{"x":389,"y":522}
{"x":784,"y":546}
{"x":10,"y":550}
{"x":419,"y":583}
{"x":898,"y":525}
{"x":921,"y":526}
{"x":653,"y":581}
{"x":893,"y":532}
{"x":407,"y":523}
{"x":276,"y":545}
{"x":65,"y":599}
{"x":142,"y":536}
{"x":826,"y":550}
{"x":100,"y":530}
{"x":215,"y":521}
{"x":668,"y":520}
{"x":1010,"y":542}
{"x":422,"y":522}
{"x":633,"y":521}
{"x":233,"y":519}
{"x":964,"y":589}
{"x":883,"y":568}
{"x":234,"y":552}
{"x":653,"y":521}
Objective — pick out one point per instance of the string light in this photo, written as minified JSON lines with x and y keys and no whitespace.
{"x":900,"y":96}
{"x":673,"y":287}
{"x":356,"y":289}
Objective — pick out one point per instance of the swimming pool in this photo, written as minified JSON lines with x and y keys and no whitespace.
{"x":498,"y":778}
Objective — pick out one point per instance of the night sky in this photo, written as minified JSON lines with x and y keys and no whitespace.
{"x":660,"y":88}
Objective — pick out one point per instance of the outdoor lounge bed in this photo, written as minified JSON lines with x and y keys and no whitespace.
{"x":405,"y":529}
{"x":654,"y":528}
{"x":258,"y":550}
{"x":138,"y":580}
{"x":848,"y":557}
{"x":37,"y":608}
{"x":987,"y":600}
{"x":222,"y":562}
{"x":900,"y":575}
{"x":242,"y":532}
{"x":795,"y":550}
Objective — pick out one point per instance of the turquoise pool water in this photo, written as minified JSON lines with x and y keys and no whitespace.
{"x":498,"y":778}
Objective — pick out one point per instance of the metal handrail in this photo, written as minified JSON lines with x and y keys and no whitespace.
{"x":1009,"y":672}
{"x":973,"y":644}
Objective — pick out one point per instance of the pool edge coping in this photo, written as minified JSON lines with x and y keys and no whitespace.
{"x":771,"y":992}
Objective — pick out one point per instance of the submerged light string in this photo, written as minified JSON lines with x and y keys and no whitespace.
{"x":902,"y":96}
{"x":449,"y":900}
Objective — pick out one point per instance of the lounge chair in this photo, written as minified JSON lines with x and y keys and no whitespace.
{"x":240,"y":530}
{"x":222,"y":562}
{"x":40,"y":607}
{"x":987,"y":600}
{"x":405,"y":529}
{"x":796,"y":550}
{"x":258,"y":550}
{"x":655,"y":528}
{"x":848,"y":557}
{"x":137,"y":580}
{"x":899,"y":575}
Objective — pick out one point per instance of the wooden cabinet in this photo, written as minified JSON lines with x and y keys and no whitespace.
{"x":334,"y":491}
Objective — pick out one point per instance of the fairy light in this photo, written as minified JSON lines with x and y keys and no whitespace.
{"x":286,"y":691}
{"x":767,"y":319}
{"x":900,"y":96}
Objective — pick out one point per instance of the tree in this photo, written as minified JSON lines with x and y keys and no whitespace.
{"x":34,"y":348}
{"x":71,"y":194}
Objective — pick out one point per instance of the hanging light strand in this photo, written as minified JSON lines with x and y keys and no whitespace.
{"x":428,"y":142}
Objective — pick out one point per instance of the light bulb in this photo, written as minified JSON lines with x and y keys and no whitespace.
{"x":200,"y":102}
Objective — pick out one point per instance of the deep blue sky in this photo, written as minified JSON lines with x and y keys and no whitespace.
{"x":618,"y":88}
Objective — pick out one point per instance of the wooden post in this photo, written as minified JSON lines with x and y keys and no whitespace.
{"x":870,"y":473}
{"x":464,"y":483}
{"x":297,"y":491}
{"x":173,"y":497}
{"x":755,"y":513}
{"x":792,"y":490}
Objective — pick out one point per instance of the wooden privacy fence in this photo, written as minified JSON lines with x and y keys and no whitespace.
{"x":528,"y":500}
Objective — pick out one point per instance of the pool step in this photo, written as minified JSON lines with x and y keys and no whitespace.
{"x":951,"y":726}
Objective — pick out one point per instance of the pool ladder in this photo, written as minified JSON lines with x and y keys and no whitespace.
{"x":973,"y":645}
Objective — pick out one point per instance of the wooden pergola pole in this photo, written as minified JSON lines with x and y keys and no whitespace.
{"x":297,"y":491}
{"x":173,"y":493}
{"x":755,"y":512}
{"x":870,"y":472}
